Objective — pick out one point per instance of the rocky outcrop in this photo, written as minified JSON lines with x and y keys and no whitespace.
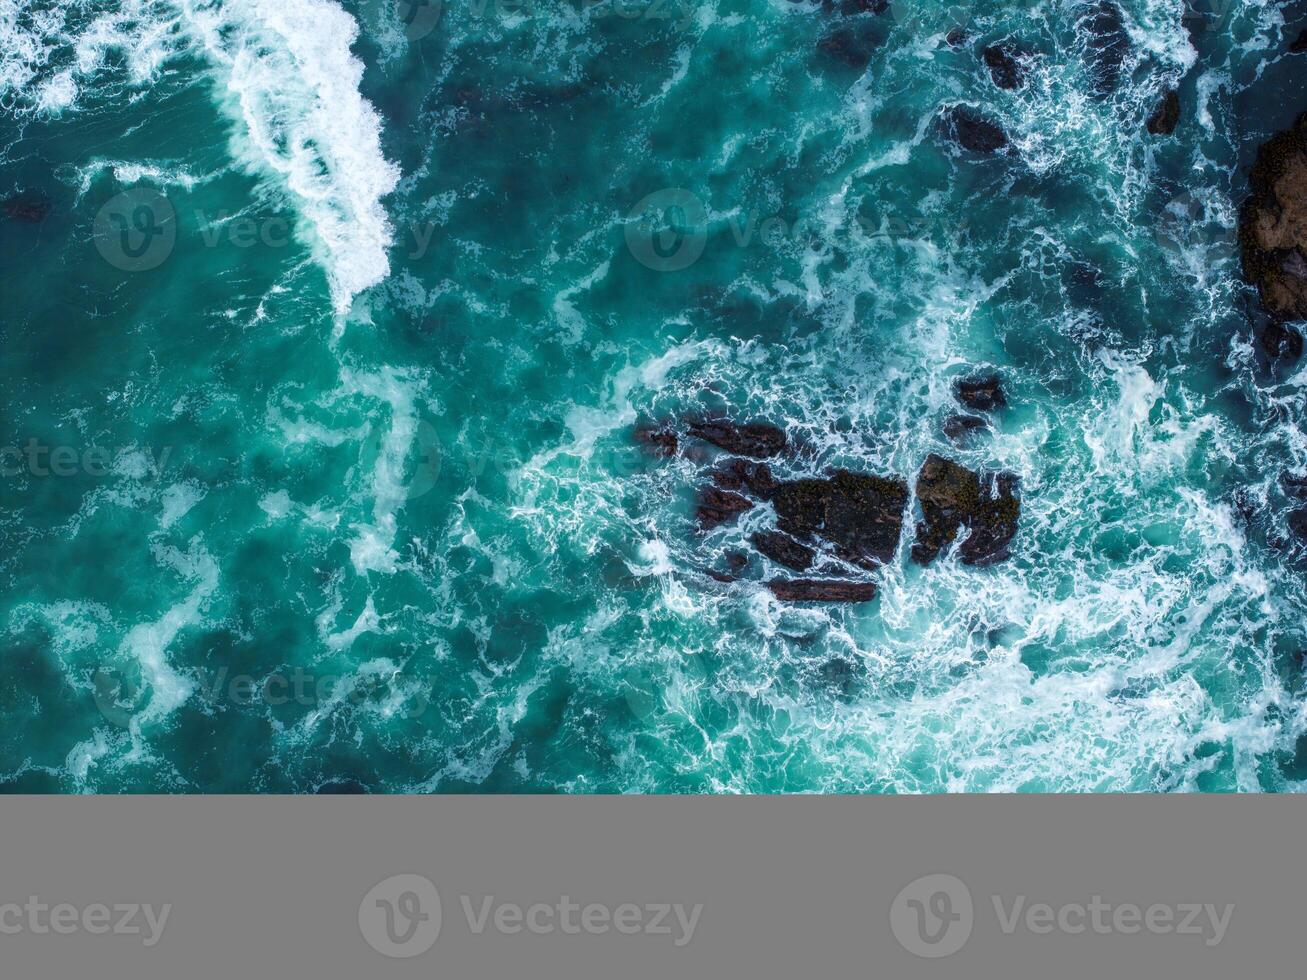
{"x":1299,"y":46}
{"x":754,"y":440}
{"x":853,"y":45}
{"x":658,"y":440}
{"x":860,"y":515}
{"x":1107,"y":44}
{"x":821,"y":590}
{"x":826,"y":524}
{"x":1273,"y":236}
{"x":960,"y":428}
{"x":854,"y":41}
{"x":736,"y":562}
{"x":981,"y":393}
{"x":716,"y":507}
{"x":952,"y":498}
{"x":854,"y":8}
{"x":784,"y":550}
{"x":1166,"y":116}
{"x":1005,"y":68}
{"x":972,"y":131}
{"x":748,"y":476}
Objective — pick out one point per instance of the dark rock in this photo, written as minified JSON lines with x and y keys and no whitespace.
{"x":716,"y":507}
{"x":736,"y":562}
{"x":1300,"y":45}
{"x":974,"y":132}
{"x":29,"y":207}
{"x":1004,"y":68}
{"x":953,"y":497}
{"x":983,"y":393}
{"x":862,"y":516}
{"x":660,"y":441}
{"x":1280,"y":341}
{"x":957,"y":37}
{"x":784,"y":550}
{"x":1273,"y":234}
{"x":1166,"y":116}
{"x":852,"y":8}
{"x":755,"y":440}
{"x":821,"y":590}
{"x":853,"y":46}
{"x":1298,"y":523}
{"x":960,"y":428}
{"x":1294,"y":486}
{"x":746,"y":475}
{"x":1108,"y":44}
{"x":842,"y":675}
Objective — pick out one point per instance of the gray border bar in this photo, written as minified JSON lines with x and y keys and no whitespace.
{"x":577,"y":888}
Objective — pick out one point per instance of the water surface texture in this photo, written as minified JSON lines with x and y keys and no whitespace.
{"x":327,"y":328}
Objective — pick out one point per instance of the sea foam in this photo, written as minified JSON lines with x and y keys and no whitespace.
{"x":288,"y":75}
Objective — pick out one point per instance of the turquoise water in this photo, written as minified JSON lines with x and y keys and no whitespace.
{"x":321,"y":373}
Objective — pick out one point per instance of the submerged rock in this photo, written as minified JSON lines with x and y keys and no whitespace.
{"x":29,"y":207}
{"x":822,"y":590}
{"x":862,"y":516}
{"x":1300,"y":45}
{"x":747,"y":475}
{"x":1280,"y":341}
{"x":1004,"y":67}
{"x":1108,"y":44}
{"x":755,"y":440}
{"x":736,"y":562}
{"x":660,"y":441}
{"x":716,"y":507}
{"x":852,"y":8}
{"x":1166,"y":116}
{"x":953,"y":497}
{"x":1297,"y":521}
{"x":983,"y":393}
{"x":974,"y":132}
{"x":1294,"y":486}
{"x":784,"y":550}
{"x":960,"y":428}
{"x":1273,"y":235}
{"x":854,"y":46}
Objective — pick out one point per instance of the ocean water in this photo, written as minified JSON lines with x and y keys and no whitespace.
{"x":320,"y":377}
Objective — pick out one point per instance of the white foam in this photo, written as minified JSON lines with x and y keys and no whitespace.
{"x":290,"y":78}
{"x":45,"y":55}
{"x":372,"y":548}
{"x":148,"y":642}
